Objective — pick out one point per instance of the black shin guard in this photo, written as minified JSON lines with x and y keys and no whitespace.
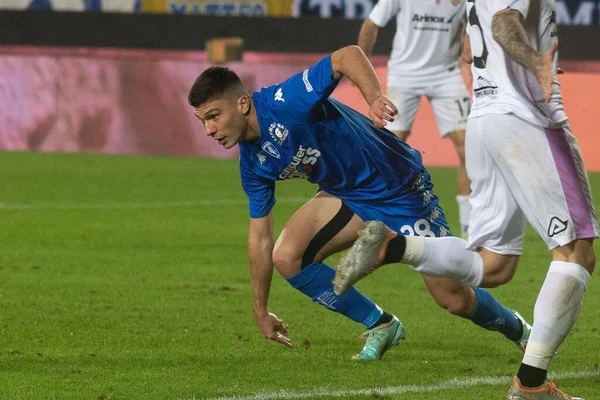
{"x":395,"y":250}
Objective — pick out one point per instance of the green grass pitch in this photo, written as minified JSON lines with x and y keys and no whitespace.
{"x":126,"y":277}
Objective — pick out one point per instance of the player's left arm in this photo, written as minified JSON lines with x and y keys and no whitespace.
{"x":260,"y":249}
{"x":368,"y":36}
{"x":509,"y":31}
{"x":466,"y":57}
{"x":352,"y":63}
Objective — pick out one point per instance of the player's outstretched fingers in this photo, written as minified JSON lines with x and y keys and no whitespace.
{"x":385,"y":109}
{"x":391,"y":106}
{"x":284,"y":329}
{"x":384,"y":113}
{"x":378,"y":122}
{"x":282,"y":339}
{"x":382,"y":110}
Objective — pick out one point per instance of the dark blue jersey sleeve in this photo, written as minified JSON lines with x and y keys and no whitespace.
{"x":294,"y":99}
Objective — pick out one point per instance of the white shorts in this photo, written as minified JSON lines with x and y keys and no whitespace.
{"x":450,"y":103}
{"x":521,"y":172}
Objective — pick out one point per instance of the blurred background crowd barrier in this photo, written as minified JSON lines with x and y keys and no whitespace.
{"x":112,"y":76}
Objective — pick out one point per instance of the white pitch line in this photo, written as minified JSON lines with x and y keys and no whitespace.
{"x":122,"y":206}
{"x":382,"y":391}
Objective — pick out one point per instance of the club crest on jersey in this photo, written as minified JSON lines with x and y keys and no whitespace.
{"x":278,"y":132}
{"x":271,"y":150}
{"x":302,"y":163}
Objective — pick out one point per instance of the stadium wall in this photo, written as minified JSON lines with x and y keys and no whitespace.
{"x":78,"y":90}
{"x":190,"y":32}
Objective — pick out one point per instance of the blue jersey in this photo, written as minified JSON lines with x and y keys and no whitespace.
{"x":306,"y":134}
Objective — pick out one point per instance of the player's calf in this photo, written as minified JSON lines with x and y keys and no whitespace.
{"x":498,"y":268}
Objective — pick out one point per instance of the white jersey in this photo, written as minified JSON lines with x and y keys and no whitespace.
{"x":427,"y":41}
{"x":500,"y":85}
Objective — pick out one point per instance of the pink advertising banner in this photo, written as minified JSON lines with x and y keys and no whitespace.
{"x":113,"y":101}
{"x":135,"y":101}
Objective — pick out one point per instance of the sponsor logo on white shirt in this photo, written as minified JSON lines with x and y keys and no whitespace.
{"x":428,"y":18}
{"x":485,"y":88}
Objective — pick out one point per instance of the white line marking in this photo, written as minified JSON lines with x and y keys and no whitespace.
{"x":158,"y":204}
{"x":382,"y":391}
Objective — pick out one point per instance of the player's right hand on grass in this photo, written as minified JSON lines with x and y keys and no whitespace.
{"x":273,"y":328}
{"x":382,"y":110}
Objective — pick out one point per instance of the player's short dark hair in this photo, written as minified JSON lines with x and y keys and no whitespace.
{"x":212,"y":84}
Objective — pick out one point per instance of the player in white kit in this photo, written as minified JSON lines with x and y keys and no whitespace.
{"x":424,"y":62}
{"x":525,"y":165}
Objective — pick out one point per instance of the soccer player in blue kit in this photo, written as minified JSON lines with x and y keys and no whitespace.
{"x":363,"y":171}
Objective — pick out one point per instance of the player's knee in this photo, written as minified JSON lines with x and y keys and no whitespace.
{"x":460,"y":152}
{"x":286,"y":260}
{"x":580,"y":252}
{"x":590,"y":258}
{"x":497,"y":278}
{"x":497,"y":275}
{"x":498,"y":269}
{"x":454,"y":297}
{"x":457,"y":304}
{"x":458,"y":139}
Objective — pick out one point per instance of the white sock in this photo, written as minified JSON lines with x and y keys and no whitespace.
{"x":556,"y":310}
{"x":445,"y":257}
{"x":464,"y":213}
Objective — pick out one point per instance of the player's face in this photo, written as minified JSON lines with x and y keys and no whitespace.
{"x":223,"y":120}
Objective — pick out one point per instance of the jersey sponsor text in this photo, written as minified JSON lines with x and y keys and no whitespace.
{"x":301,"y":163}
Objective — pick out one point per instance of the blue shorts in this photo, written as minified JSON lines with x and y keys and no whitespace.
{"x":415,"y":213}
